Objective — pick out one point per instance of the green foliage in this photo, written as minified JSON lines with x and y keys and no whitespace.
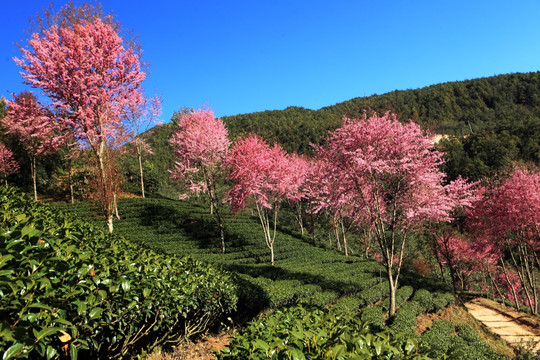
{"x":404,"y":320}
{"x":472,"y":346}
{"x":69,"y":287}
{"x":374,"y":293}
{"x":374,"y":317}
{"x":300,"y":333}
{"x":3,"y":109}
{"x":347,"y":304}
{"x":303,"y":273}
{"x":507,"y":106}
{"x":321,"y":299}
{"x":436,"y":340}
{"x":402,"y":295}
{"x":440,"y":341}
{"x":424,"y":298}
{"x":443,"y":300}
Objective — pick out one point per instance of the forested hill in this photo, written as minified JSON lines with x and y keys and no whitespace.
{"x":495,"y":120}
{"x":504,"y":103}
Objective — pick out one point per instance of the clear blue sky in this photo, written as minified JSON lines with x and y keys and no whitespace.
{"x":245,"y":56}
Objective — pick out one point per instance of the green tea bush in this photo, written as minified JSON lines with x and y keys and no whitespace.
{"x":469,"y":345}
{"x":443,"y":300}
{"x":300,"y":333}
{"x":320,"y":299}
{"x":347,"y":304}
{"x":374,"y":317}
{"x":405,"y":318}
{"x":374,"y":293}
{"x":69,"y":288}
{"x":437,"y":340}
{"x":402,"y":295}
{"x":424,"y":299}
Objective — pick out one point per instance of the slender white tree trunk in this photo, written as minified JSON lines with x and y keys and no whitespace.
{"x":141,"y":173}
{"x":33,"y":173}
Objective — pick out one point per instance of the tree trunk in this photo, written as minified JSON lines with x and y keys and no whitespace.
{"x":110,"y":223}
{"x":222,"y":235}
{"x":344,"y":238}
{"x":70,"y":181}
{"x":33,"y":173}
{"x":392,"y":288}
{"x":107,"y":206}
{"x":453,"y":275}
{"x":71,"y":193}
{"x":141,"y":174}
{"x":265,"y":222}
{"x":299,"y":217}
{"x":214,"y":204}
{"x":516,"y":299}
{"x":115,"y":205}
{"x":336,"y":232}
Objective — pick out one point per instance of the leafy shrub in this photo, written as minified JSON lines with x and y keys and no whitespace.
{"x":469,"y":345}
{"x":320,"y":299}
{"x":443,"y":300}
{"x":374,"y":317}
{"x":402,"y":294}
{"x":424,"y":299}
{"x":300,"y":333}
{"x":374,"y":293}
{"x":301,"y":271}
{"x":437,"y":340}
{"x":68,"y":287}
{"x":405,"y":318}
{"x":347,"y":304}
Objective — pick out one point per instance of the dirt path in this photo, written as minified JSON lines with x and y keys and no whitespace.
{"x":512,"y":326}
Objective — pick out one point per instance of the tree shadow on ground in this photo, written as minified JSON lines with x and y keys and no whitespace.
{"x":199,"y":227}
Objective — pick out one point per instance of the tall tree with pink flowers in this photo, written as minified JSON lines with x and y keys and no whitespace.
{"x":34,"y":129}
{"x":90,"y":78}
{"x":387,"y":174}
{"x":509,"y":217}
{"x":269,"y":176}
{"x":201,"y":146}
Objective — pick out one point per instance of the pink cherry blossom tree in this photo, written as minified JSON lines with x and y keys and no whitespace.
{"x":38,"y":134}
{"x":322,"y":193}
{"x":8,"y":165}
{"x":90,"y":77}
{"x":269,"y":176}
{"x":140,"y":114}
{"x":387,"y":174}
{"x":201,"y":146}
{"x":509,"y":215}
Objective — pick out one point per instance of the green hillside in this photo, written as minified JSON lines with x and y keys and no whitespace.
{"x":505,"y":102}
{"x":492,"y":121}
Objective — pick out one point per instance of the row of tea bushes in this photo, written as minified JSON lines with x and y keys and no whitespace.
{"x":68,"y":288}
{"x":303,"y":273}
{"x":313,"y":333}
{"x":444,"y":340}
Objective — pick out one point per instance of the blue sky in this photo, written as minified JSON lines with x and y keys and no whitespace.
{"x":244,"y":56}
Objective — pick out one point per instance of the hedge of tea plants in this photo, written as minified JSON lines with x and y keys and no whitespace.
{"x":303,"y":333}
{"x":70,"y":289}
{"x":303,"y":273}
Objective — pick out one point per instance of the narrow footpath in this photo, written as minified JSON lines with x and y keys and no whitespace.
{"x":511,"y":325}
